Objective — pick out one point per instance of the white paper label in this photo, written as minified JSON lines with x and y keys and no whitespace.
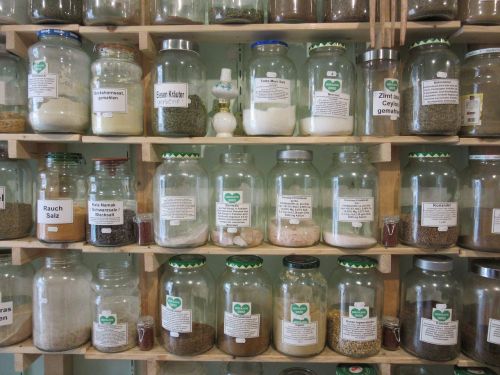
{"x":178,"y":208}
{"x":356,"y":210}
{"x":2,"y":197}
{"x":439,"y":332}
{"x":3,"y":96}
{"x":109,"y":100}
{"x":240,"y":323}
{"x":55,"y":211}
{"x":294,"y":207}
{"x":387,"y":102}
{"x":439,"y":214}
{"x":171,"y":95}
{"x":440,"y":91}
{"x":42,"y":86}
{"x":300,"y":334}
{"x":108,"y":333}
{"x":6,"y":313}
{"x":493,"y":331}
{"x":495,"y":221}
{"x":472,"y":108}
{"x":359,"y":326}
{"x":331,"y":102}
{"x":105,"y":212}
{"x":271,"y":90}
{"x":232,"y":212}
{"x":176,"y":321}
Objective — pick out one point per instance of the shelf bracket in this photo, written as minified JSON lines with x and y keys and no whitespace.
{"x":15,"y":45}
{"x":23,"y":362}
{"x":150,"y":153}
{"x":380,"y":153}
{"x":147,"y":45}
{"x":58,"y":364}
{"x":384,"y":263}
{"x":31,"y":150}
{"x":152,"y":367}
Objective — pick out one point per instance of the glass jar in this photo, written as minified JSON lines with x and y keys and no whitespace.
{"x":179,"y":78}
{"x":293,"y":197}
{"x":481,"y":319}
{"x":432,"y":10}
{"x":297,"y":371}
{"x":187,"y":306}
{"x":355,"y":307}
{"x":112,"y":12}
{"x":269,"y":103}
{"x":377,"y":93}
{"x":431,"y":308}
{"x":112,"y":203}
{"x":480,"y":12}
{"x":146,"y":333}
{"x":13,"y":12}
{"x":181,"y":196}
{"x":236,"y":11}
{"x":16,"y":302}
{"x":58,"y":83}
{"x":355,"y":369}
{"x":183,"y":368}
{"x":61,"y":199}
{"x":346,"y":11}
{"x":350,"y":202}
{"x":329,"y":91}
{"x":117,"y":94}
{"x":429,"y":201}
{"x":178,"y":12}
{"x":55,"y":11}
{"x":238,"y":203}
{"x":292,"y":11}
{"x":244,"y":368}
{"x":116,"y":307}
{"x":62,"y":317}
{"x":299,"y":307}
{"x":431,"y":89}
{"x":244,"y":307}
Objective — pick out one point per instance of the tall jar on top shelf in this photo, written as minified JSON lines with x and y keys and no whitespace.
{"x":432,"y":10}
{"x":111,"y":12}
{"x":292,"y":11}
{"x":13,"y":12}
{"x":236,"y":11}
{"x":480,"y":12}
{"x":178,"y":12}
{"x":346,"y":11}
{"x":55,"y":11}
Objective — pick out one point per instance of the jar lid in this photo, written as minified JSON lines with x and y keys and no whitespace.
{"x":473,"y":371}
{"x":64,"y":156}
{"x":326,"y":44}
{"x":426,"y":42}
{"x":391,"y":219}
{"x":180,"y":155}
{"x":357,"y":261}
{"x":486,"y":268}
{"x":57,"y":32}
{"x":268,"y":42}
{"x":180,"y":44}
{"x":187,"y":261}
{"x":244,"y":261}
{"x":297,"y":371}
{"x":301,"y":262}
{"x":378,"y":54}
{"x":439,"y":263}
{"x":295,"y":155}
{"x":390,"y":321}
{"x":428,"y":155}
{"x":484,"y":157}
{"x":110,"y":160}
{"x":482,"y":51}
{"x":351,"y":369}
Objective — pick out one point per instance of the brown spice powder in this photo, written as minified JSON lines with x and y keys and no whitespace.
{"x":12,"y":122}
{"x":479,"y":237}
{"x":64,"y":232}
{"x":425,"y":237}
{"x":15,"y":220}
{"x":199,"y":340}
{"x":251,"y":347}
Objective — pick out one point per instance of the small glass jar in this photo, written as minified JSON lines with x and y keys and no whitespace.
{"x":480,"y":12}
{"x":391,"y":336}
{"x":350,"y":202}
{"x":238,"y":202}
{"x":187,"y":306}
{"x":377,"y":93}
{"x":329,"y":91}
{"x":181,"y":196}
{"x":431,"y":308}
{"x":178,"y":12}
{"x":244,"y":307}
{"x":111,"y":12}
{"x":292,"y":11}
{"x":293,"y":197}
{"x":300,"y":307}
{"x":429,"y":201}
{"x":346,"y":11}
{"x":183,"y":368}
{"x":146,"y":333}
{"x":430,"y":89}
{"x":112,"y":203}
{"x":58,"y":83}
{"x":13,"y":12}
{"x":244,"y":368}
{"x":62,"y":316}
{"x":55,"y":11}
{"x":269,"y":102}
{"x":432,"y":10}
{"x":236,"y":11}
{"x":390,"y":231}
{"x":61,"y":199}
{"x":117,"y":94}
{"x":16,"y":302}
{"x":144,"y":231}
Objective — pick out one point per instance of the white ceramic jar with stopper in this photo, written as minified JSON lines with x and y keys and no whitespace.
{"x":224,"y":121}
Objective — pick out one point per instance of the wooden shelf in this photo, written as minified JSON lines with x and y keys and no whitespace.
{"x":466,"y":253}
{"x":479,"y":142}
{"x":27,"y":347}
{"x":476,"y":34}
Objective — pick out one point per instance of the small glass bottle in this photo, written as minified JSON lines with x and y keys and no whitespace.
{"x":346,"y":11}
{"x":236,"y":11}
{"x":391,"y":336}
{"x":13,"y":12}
{"x":146,"y":333}
{"x":480,"y":12}
{"x":178,"y":12}
{"x":432,"y":10}
{"x":390,"y":231}
{"x":111,"y":12}
{"x":292,"y":11}
{"x":55,"y":11}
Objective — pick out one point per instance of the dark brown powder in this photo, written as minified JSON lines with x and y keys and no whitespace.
{"x":414,"y":234}
{"x":199,"y":340}
{"x":480,"y":236}
{"x":251,"y":347}
{"x":113,"y":235}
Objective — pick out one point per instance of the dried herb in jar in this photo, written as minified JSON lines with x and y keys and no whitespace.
{"x":346,"y":11}
{"x":236,"y":15}
{"x":183,"y":122}
{"x":16,"y":220}
{"x":292,"y":11}
{"x":113,"y":235}
{"x":414,"y":234}
{"x":12,"y":122}
{"x":199,"y":340}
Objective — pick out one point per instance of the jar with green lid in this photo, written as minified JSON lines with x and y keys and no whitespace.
{"x":55,"y":11}
{"x":111,"y":12}
{"x":178,"y":12}
{"x":355,"y":307}
{"x":355,"y":369}
{"x":432,"y":10}
{"x":187,"y":306}
{"x":480,"y":12}
{"x":244,"y":368}
{"x":244,"y":307}
{"x":346,"y":11}
{"x":236,"y":11}
{"x":13,"y":12}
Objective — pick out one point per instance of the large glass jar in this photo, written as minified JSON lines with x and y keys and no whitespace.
{"x":236,"y":11}
{"x":13,"y":12}
{"x":178,"y":12}
{"x":111,"y":203}
{"x":187,"y":301}
{"x":16,"y":303}
{"x":183,"y":368}
{"x":62,"y":317}
{"x":355,"y":307}
{"x":117,"y":94}
{"x":432,"y":10}
{"x":61,"y":199}
{"x":55,"y":11}
{"x":377,"y":93}
{"x":329,"y":91}
{"x":346,"y":11}
{"x":430,"y":89}
{"x":350,"y":202}
{"x":244,"y":368}
{"x":431,"y":308}
{"x":238,"y":202}
{"x":300,"y":307}
{"x":244,"y":307}
{"x":112,"y":12}
{"x":58,"y":83}
{"x":179,"y":90}
{"x":292,"y":11}
{"x":429,"y":201}
{"x":480,"y":12}
{"x":293,"y":197}
{"x":181,"y":196}
{"x":269,"y":103}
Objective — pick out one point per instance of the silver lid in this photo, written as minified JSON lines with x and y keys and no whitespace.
{"x":438,"y":263}
{"x":484,"y":157}
{"x":295,"y":155}
{"x":482,"y":51}
{"x":378,"y":54}
{"x":486,"y":268}
{"x":180,"y":44}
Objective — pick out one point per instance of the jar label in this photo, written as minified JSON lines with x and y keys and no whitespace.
{"x":493,"y":331}
{"x":356,"y":209}
{"x":232,"y":212}
{"x":6,"y":313}
{"x":108,"y":333}
{"x":439,"y":214}
{"x":440,"y":330}
{"x":55,"y":211}
{"x":42,"y":86}
{"x":240,"y":323}
{"x":294,"y":207}
{"x":171,"y":95}
{"x":495,"y":221}
{"x":440,"y":91}
{"x":174,"y":318}
{"x":358,"y":326}
{"x":105,"y":212}
{"x":300,"y":313}
{"x":2,"y":197}
{"x":109,"y":100}
{"x":387,"y":102}
{"x":271,"y":90}
{"x":178,"y":208}
{"x":472,"y":109}
{"x":299,"y":334}
{"x":330,"y":101}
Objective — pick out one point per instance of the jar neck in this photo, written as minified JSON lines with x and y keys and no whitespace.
{"x":243,"y":271}
{"x":485,"y":162}
{"x":430,"y":160}
{"x":111,"y":168}
{"x":117,"y":271}
{"x":353,"y":158}
{"x":430,"y":47}
{"x":116,"y":53}
{"x":295,"y":161}
{"x":62,"y":260}
{"x":274,"y":49}
{"x":327,"y":50}
{"x":359,"y":271}
{"x":63,"y":165}
{"x":236,"y":158}
{"x":434,"y":273}
{"x":181,"y":160}
{"x":60,"y":40}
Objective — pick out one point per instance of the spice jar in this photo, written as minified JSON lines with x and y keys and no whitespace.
{"x":480,"y":12}
{"x":181,"y":196}
{"x":238,"y":202}
{"x":432,"y":10}
{"x":390,"y":231}
{"x":16,"y":303}
{"x":431,"y":91}
{"x":294,"y":200}
{"x":183,"y":368}
{"x":377,"y":93}
{"x":390,"y":333}
{"x":13,"y":12}
{"x":187,"y":306}
{"x":429,"y":201}
{"x":143,"y":229}
{"x":346,"y":11}
{"x":58,"y":83}
{"x":292,"y":11}
{"x":244,"y":368}
{"x":62,"y":199}
{"x":146,"y":333}
{"x":236,"y":11}
{"x":355,"y":305}
{"x":111,"y":12}
{"x":269,"y":103}
{"x":55,"y":11}
{"x":62,"y":317}
{"x":244,"y":307}
{"x":178,"y":12}
{"x":117,"y":94}
{"x":431,"y":308}
{"x":352,"y":369}
{"x":299,"y":308}
{"x":350,"y":202}
{"x":329,"y":90}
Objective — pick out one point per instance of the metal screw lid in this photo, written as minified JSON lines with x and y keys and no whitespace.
{"x":378,"y":54}
{"x":244,"y":261}
{"x":268,"y":42}
{"x":301,"y":262}
{"x":484,"y":157}
{"x":482,"y":51}
{"x":187,"y":261}
{"x":295,"y":155}
{"x":486,"y":268}
{"x":180,"y":44}
{"x":440,"y":263}
{"x":57,"y":32}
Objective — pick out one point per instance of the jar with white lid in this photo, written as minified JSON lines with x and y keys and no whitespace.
{"x":13,"y":12}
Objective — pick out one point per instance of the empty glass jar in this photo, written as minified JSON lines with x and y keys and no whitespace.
{"x":177,"y":12}
{"x":432,"y":10}
{"x":292,"y":11}
{"x":13,"y":12}
{"x":55,"y":11}
{"x":111,"y":12}
{"x":480,"y":12}
{"x":346,"y":11}
{"x":236,"y":11}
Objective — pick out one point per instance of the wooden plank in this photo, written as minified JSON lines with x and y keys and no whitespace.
{"x":479,"y":142}
{"x":33,"y":243}
{"x":14,"y":44}
{"x":466,"y":253}
{"x":476,"y":33}
{"x":27,"y":347}
{"x":58,"y":364}
{"x":23,"y":362}
{"x":152,"y":368}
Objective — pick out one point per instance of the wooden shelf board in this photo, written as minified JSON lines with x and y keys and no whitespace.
{"x":479,"y":142}
{"x":49,"y":138}
{"x":28,"y":32}
{"x":466,"y":253}
{"x":33,"y":243}
{"x":417,"y":30}
{"x":114,"y":140}
{"x":27,"y":347}
{"x":476,"y":33}
{"x":108,"y":34}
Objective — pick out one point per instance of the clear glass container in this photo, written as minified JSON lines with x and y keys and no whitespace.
{"x":13,"y":12}
{"x":183,"y":368}
{"x":117,"y":93}
{"x":269,"y":99}
{"x":430,"y":89}
{"x":480,"y":12}
{"x":300,"y":307}
{"x":62,"y":316}
{"x":238,"y":202}
{"x":58,"y":83}
{"x":329,"y":91}
{"x":55,"y":11}
{"x":350,"y":202}
{"x":178,"y":12}
{"x":181,"y":201}
{"x":112,"y":204}
{"x":244,"y":368}
{"x":297,"y":371}
{"x":236,"y":11}
{"x":377,"y":93}
{"x":146,"y":333}
{"x":244,"y":307}
{"x":293,"y":196}
{"x":292,"y":11}
{"x":346,"y":11}
{"x":187,"y":306}
{"x":353,"y":369}
{"x":112,"y":12}
{"x":432,"y":10}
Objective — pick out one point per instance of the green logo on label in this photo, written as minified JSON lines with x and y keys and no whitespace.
{"x":241,"y":309}
{"x":359,"y":313}
{"x":174,"y":302}
{"x":441,"y":316}
{"x":110,"y":320}
{"x":299,"y":309}
{"x":391,"y":84}
{"x":332,"y":85}
{"x":39,"y":66}
{"x":232,"y":197}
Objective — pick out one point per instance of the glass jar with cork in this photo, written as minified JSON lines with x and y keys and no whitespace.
{"x":13,"y":12}
{"x":480,"y":12}
{"x":346,"y":11}
{"x":236,"y":11}
{"x":111,"y":12}
{"x":292,"y":11}
{"x":55,"y":11}
{"x":432,"y":10}
{"x":178,"y":12}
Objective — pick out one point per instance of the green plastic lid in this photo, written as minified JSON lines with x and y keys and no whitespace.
{"x":64,"y":156}
{"x":425,"y":42}
{"x":429,"y":155}
{"x":244,"y":261}
{"x":187,"y":261}
{"x":357,"y":261}
{"x":180,"y":155}
{"x":352,"y":369}
{"x":316,"y":45}
{"x":473,"y":371}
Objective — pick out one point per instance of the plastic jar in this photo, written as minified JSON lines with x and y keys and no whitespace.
{"x":55,"y":11}
{"x":292,"y":11}
{"x":112,"y":12}
{"x":236,"y":11}
{"x":346,"y":11}
{"x":432,"y":10}
{"x":480,"y":12}
{"x":13,"y":12}
{"x":178,"y":12}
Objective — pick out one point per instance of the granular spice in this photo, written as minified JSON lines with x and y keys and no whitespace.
{"x":174,"y":20}
{"x":346,"y":11}
{"x":236,"y":15}
{"x":479,"y":237}
{"x":182,"y":122}
{"x":475,"y":340}
{"x":390,"y":231}
{"x":426,"y":237}
{"x":16,"y":220}
{"x":72,"y":232}
{"x":306,"y":233}
{"x":12,"y":122}
{"x":199,"y":340}
{"x":292,"y":11}
{"x":251,"y":346}
{"x":21,"y":326}
{"x":113,"y":235}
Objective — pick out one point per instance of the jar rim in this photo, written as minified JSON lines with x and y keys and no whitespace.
{"x":317,"y":45}
{"x":481,"y":51}
{"x":244,"y":262}
{"x":181,"y":155}
{"x":484,"y":157}
{"x":489,"y":269}
{"x":301,"y":262}
{"x":64,"y":156}
{"x":58,"y":32}
{"x":357,"y":261}
{"x":440,"y":263}
{"x":179,"y":44}
{"x":430,"y":155}
{"x":429,"y":41}
{"x":351,"y":369}
{"x":378,"y":54}
{"x":268,"y":42}
{"x":110,"y":161}
{"x":295,"y":155}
